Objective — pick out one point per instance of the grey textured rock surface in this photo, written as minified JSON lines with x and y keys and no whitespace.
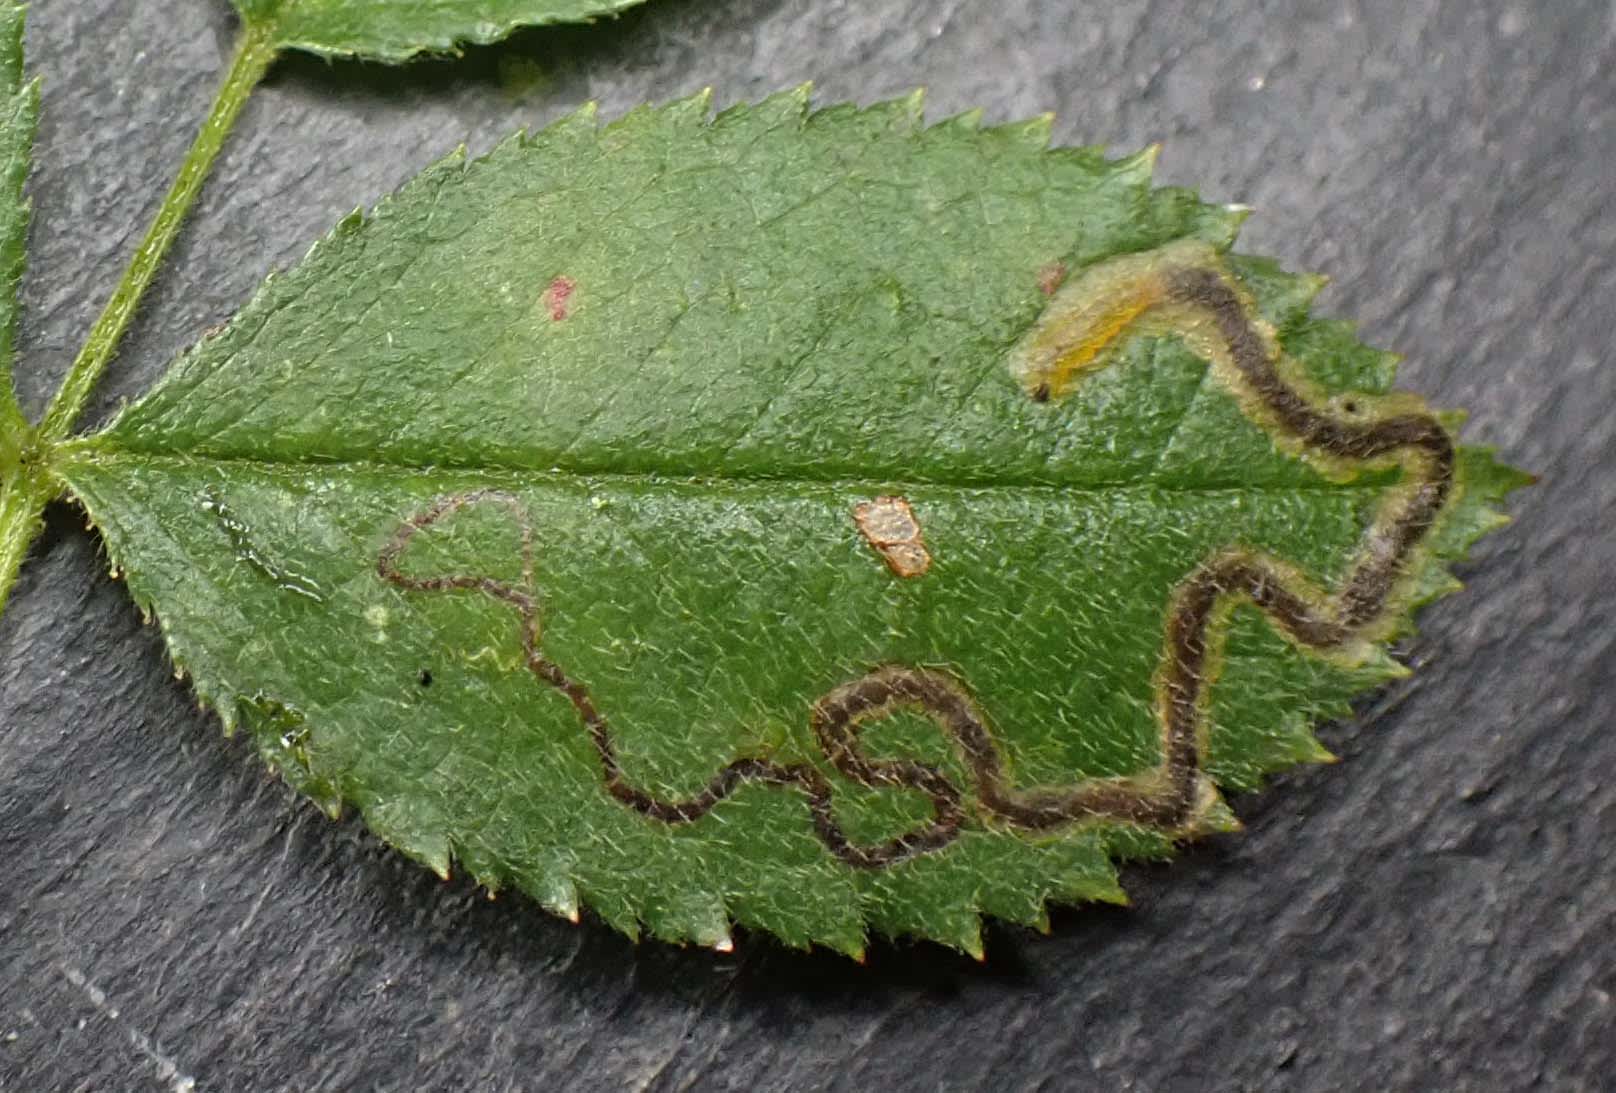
{"x":1435,"y":912}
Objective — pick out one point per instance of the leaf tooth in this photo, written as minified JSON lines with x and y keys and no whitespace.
{"x":786,"y":108}
{"x":1239,"y":213}
{"x":1321,"y":754}
{"x":1033,"y":132}
{"x":568,"y":138}
{"x":584,"y":121}
{"x":559,"y":895}
{"x":1092,"y":159}
{"x":229,"y":718}
{"x":1315,"y":283}
{"x":1224,"y":222}
{"x":1501,"y":479}
{"x":1105,"y":888}
{"x":973,"y":945}
{"x":966,"y":121}
{"x":851,"y":942}
{"x":1444,"y":585}
{"x":634,"y":125}
{"x":690,"y":111}
{"x":1230,"y":217}
{"x":959,"y":929}
{"x":815,"y":910}
{"x":1140,"y":166}
{"x":347,"y":226}
{"x":835,"y":114}
{"x":1286,"y":298}
{"x":1217,"y":818}
{"x":1024,"y":907}
{"x":514,"y":142}
{"x":689,"y":916}
{"x":895,"y":913}
{"x":414,"y":829}
{"x":906,"y":114}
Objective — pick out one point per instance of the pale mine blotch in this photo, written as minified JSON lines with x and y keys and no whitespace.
{"x":889,"y":525}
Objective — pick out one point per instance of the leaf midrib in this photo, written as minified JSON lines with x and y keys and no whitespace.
{"x":92,"y":452}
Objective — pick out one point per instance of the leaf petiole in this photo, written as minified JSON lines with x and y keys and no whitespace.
{"x":255,"y":52}
{"x":25,"y":489}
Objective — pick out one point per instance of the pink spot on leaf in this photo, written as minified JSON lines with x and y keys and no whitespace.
{"x":557,"y":295}
{"x":1050,"y":277}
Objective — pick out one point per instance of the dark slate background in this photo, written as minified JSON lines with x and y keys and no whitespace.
{"x":1438,"y":911}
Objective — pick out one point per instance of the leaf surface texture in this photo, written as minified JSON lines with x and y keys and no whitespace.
{"x":617,"y":396}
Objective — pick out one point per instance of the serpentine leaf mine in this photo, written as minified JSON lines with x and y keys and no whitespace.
{"x":817,"y":520}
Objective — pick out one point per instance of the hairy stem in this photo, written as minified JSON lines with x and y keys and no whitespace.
{"x":12,"y":422}
{"x":255,"y":51}
{"x":24,"y":492}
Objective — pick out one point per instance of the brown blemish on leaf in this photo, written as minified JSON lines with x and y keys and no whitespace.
{"x":556,"y":297}
{"x":890,"y":526}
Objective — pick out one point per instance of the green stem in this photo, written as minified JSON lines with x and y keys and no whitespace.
{"x":12,"y":421}
{"x":24,"y":493}
{"x":255,"y":51}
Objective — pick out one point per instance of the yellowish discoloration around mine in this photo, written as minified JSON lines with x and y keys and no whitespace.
{"x":889,"y":525}
{"x":1092,"y":311}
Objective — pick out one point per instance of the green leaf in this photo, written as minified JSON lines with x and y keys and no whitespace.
{"x":801,"y":518}
{"x":23,"y":491}
{"x":394,"y":30}
{"x":19,"y":116}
